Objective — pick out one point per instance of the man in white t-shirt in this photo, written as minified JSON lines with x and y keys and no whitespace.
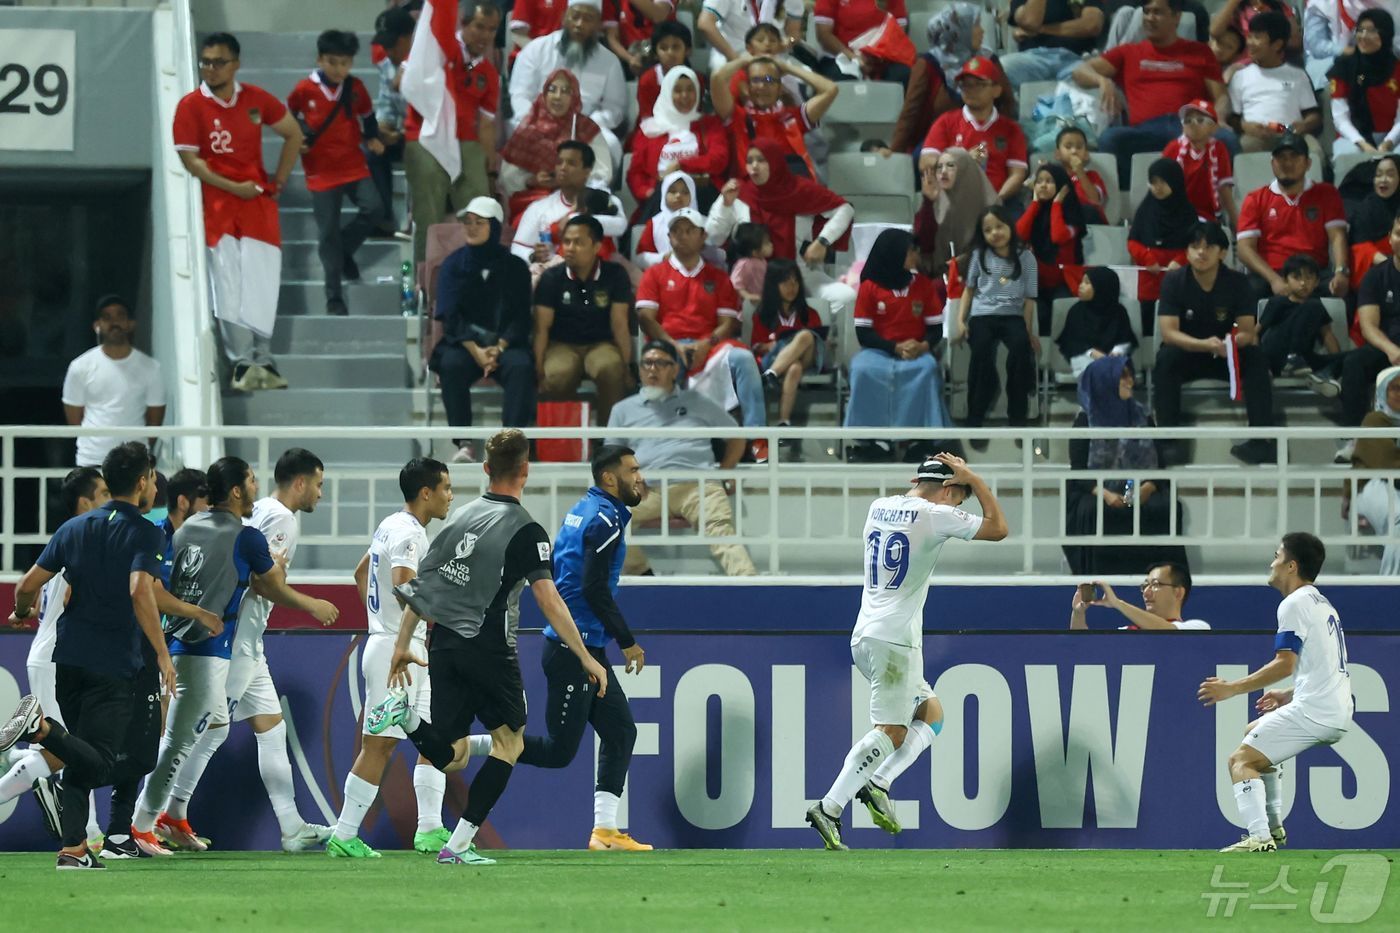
{"x":1269,"y":96}
{"x":1317,"y":710}
{"x":398,"y":545}
{"x":113,"y":384}
{"x":903,"y":537}
{"x":1164,"y":594}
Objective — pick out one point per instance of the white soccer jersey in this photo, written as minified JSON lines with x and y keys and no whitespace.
{"x":282,"y":528}
{"x":903,"y":536}
{"x":51,"y":600}
{"x":399,"y":541}
{"x":1309,"y":626}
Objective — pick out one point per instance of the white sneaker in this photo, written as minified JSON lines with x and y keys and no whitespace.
{"x":1345,"y":453}
{"x":1279,"y":835}
{"x":308,"y":837}
{"x":1248,"y":843}
{"x":465,"y":454}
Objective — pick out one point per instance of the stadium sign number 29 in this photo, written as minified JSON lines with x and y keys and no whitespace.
{"x":38,"y":89}
{"x":48,"y":82}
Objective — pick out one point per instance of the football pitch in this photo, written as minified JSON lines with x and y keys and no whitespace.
{"x":712,"y":890}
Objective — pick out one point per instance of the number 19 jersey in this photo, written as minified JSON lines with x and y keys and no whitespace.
{"x":399,"y":541}
{"x":1309,"y":627}
{"x":903,"y":537}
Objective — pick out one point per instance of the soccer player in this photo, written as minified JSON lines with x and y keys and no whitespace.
{"x":1316,"y":711}
{"x":469,"y":587}
{"x":399,"y":543}
{"x":218,"y":559}
{"x":903,"y":537}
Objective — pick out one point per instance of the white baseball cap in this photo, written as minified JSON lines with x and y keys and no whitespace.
{"x":596,"y":4}
{"x":686,"y":213}
{"x":484,"y":207}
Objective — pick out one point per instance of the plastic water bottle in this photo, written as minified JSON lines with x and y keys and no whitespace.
{"x":1128,"y":493}
{"x":408,"y":303}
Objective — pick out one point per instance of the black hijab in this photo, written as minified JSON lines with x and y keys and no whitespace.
{"x":1100,"y":323}
{"x":1374,"y":216}
{"x":1363,"y":72}
{"x":1045,"y":249}
{"x":885,"y":264}
{"x":1165,"y":223}
{"x":472,"y":264}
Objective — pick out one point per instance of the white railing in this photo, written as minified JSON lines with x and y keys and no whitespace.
{"x":803,"y":517}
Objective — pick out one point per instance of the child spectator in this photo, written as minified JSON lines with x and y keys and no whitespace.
{"x":984,"y":127}
{"x":627,"y":24}
{"x":1097,"y":324}
{"x":726,"y":23}
{"x":1228,"y":49}
{"x":764,"y":115}
{"x":766,"y":41}
{"x":1053,"y":228}
{"x":1239,"y":14}
{"x":998,"y":305}
{"x":1369,"y":223}
{"x":1205,"y":160}
{"x":1072,"y":152}
{"x":671,"y":41}
{"x":788,"y":336}
{"x":1366,"y":88}
{"x":654,"y":243}
{"x":1294,"y":323}
{"x":1161,"y":231}
{"x":336,"y":114}
{"x":753,"y":247}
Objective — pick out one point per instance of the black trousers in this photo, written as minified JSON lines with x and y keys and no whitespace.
{"x":1176,"y":367}
{"x":97,"y":710}
{"x":381,"y":172}
{"x":1296,"y":333}
{"x":573,"y":704}
{"x":333,"y":241}
{"x":459,"y":372}
{"x":984,"y":332}
{"x":137,"y":757}
{"x":1359,"y":370}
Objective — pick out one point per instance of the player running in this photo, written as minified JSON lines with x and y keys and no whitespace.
{"x":1316,"y":711}
{"x":399,"y":543}
{"x":469,"y":586}
{"x":903,"y":537}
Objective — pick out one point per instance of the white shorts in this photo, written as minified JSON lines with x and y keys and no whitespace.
{"x":1286,"y":732}
{"x":896,"y":675}
{"x":43,"y":683}
{"x":378,"y":652}
{"x":251,"y":691}
{"x":201,"y":699}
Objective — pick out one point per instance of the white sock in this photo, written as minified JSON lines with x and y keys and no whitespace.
{"x":276,"y":771}
{"x":94,"y":832}
{"x":413,"y":721}
{"x":478,"y":746}
{"x":605,"y":809}
{"x":429,"y":784}
{"x":862,"y":760}
{"x":1273,"y":795}
{"x":29,"y":767}
{"x":462,"y":836}
{"x":1249,"y":797}
{"x":178,"y":806}
{"x":918,"y":738}
{"x":359,"y":797}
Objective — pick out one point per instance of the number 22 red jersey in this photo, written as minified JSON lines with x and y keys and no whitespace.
{"x":227,"y":134}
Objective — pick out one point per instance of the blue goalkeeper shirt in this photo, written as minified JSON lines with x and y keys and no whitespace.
{"x":588,"y":555}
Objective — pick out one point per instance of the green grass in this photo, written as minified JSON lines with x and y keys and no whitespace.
{"x":1007,"y":890}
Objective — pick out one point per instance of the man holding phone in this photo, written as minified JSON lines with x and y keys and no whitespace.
{"x":1164,"y":593}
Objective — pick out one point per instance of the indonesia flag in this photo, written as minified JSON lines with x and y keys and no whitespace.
{"x":1232,"y":367}
{"x":425,"y":82}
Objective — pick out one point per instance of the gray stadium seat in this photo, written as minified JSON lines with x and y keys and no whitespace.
{"x":880,"y":189}
{"x":1106,"y":246}
{"x":863,"y":109}
{"x":1345,"y":162}
{"x":1107,"y":167}
{"x":1137,"y":185}
{"x":1254,"y":170}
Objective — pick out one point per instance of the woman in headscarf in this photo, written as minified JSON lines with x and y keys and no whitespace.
{"x":677,"y":193}
{"x":1053,"y":227}
{"x":895,"y":378}
{"x":1160,"y":232}
{"x":1329,"y":30}
{"x":1378,"y":501}
{"x":527,"y":161}
{"x":1106,"y":395}
{"x":1368,"y":226}
{"x":1364,"y":95}
{"x":1097,"y":325}
{"x":676,"y":137}
{"x":955,"y":193}
{"x":954,"y":36}
{"x":483,"y":302}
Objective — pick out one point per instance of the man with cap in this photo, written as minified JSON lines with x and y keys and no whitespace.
{"x":693,"y":306}
{"x":1293,"y":215}
{"x":1205,"y":161}
{"x":660,"y":403}
{"x":579,"y":48}
{"x":903,"y":536}
{"x":1269,"y":96}
{"x":994,"y":139}
{"x":483,"y":302}
{"x":541,"y":228}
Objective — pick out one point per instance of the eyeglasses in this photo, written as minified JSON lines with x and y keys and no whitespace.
{"x":1153,"y":585}
{"x":1367,"y":31}
{"x":764,"y":79}
{"x":214,"y":62}
{"x":1198,"y":118}
{"x":560,"y":89}
{"x":657,"y":364}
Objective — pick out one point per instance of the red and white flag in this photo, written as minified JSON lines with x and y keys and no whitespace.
{"x":425,"y":82}
{"x":1232,"y":365}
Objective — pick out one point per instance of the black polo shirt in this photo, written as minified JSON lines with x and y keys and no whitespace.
{"x":1204,"y":314}
{"x":1381,"y":286}
{"x":583,"y":307}
{"x":97,"y":552}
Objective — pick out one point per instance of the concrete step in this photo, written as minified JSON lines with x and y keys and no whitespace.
{"x":306,"y":297}
{"x":298,"y":223}
{"x":355,"y":333}
{"x":343,"y":452}
{"x":376,"y":258}
{"x":271,"y":147}
{"x":263,"y":50}
{"x":345,"y":370}
{"x":320,"y":406}
{"x":296,"y":195}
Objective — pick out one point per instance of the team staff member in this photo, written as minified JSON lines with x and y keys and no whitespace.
{"x":110,"y":556}
{"x":1164,"y":594}
{"x":469,"y":586}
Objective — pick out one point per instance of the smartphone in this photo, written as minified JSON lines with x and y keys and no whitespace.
{"x":1088,"y":593}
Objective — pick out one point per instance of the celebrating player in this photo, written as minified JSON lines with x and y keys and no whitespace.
{"x":469,"y":587}
{"x":392,"y":559}
{"x":903,"y":537}
{"x":1317,"y":711}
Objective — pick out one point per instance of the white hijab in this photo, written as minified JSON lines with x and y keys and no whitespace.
{"x":661,"y":223}
{"x":665,"y":119}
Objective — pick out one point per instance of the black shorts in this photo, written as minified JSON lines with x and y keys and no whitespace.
{"x":474,"y":685}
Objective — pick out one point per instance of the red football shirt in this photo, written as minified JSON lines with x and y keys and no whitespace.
{"x":1206,"y":170}
{"x":850,"y":18}
{"x":1381,"y":99}
{"x":1286,"y":227}
{"x":690,"y":302}
{"x":1006,"y":143}
{"x":538,"y":17}
{"x":476,"y":88}
{"x":1159,"y":81}
{"x":335,"y":159}
{"x":898,"y":316}
{"x":227,"y":134}
{"x":631,"y":26}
